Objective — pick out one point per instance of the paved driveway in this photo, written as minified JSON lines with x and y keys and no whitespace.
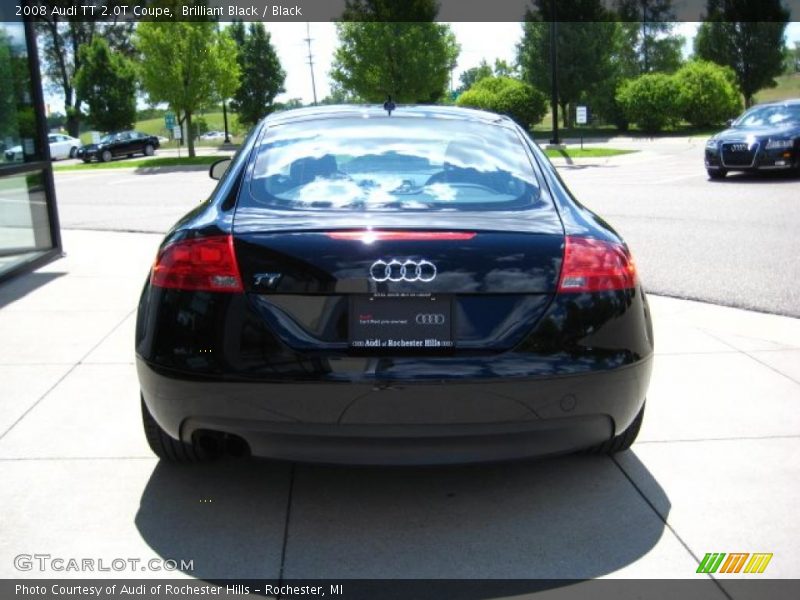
{"x":715,"y":470}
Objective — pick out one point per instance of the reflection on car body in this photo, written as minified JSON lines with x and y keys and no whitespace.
{"x":413,"y":288}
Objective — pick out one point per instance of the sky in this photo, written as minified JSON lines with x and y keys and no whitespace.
{"x":478,"y":41}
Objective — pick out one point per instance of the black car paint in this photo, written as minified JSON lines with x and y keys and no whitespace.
{"x":757,"y":157}
{"x":555,"y":372}
{"x":118,"y":148}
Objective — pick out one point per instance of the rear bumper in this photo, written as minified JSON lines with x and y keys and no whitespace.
{"x":382,"y":422}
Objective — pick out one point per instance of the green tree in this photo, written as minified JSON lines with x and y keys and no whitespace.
{"x":107,"y":83}
{"x":393,"y":49}
{"x":582,"y":48}
{"x":8,"y":102}
{"x":706,"y":93}
{"x":649,"y":101}
{"x":473,"y":75}
{"x":190,"y":65}
{"x":507,"y":96}
{"x":60,"y":40}
{"x":748,"y":37}
{"x":649,"y":42}
{"x":261,"y":70}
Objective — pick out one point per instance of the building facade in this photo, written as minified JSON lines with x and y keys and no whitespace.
{"x":29,"y":231}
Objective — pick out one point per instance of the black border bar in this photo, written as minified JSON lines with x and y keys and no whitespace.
{"x":333,"y":10}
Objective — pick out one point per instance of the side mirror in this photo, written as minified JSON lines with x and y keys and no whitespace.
{"x":217,"y":169}
{"x":729,"y":122}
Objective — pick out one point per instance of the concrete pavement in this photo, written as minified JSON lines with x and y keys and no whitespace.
{"x":715,"y":468}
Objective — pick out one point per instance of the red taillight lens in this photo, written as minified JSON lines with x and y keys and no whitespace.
{"x":594,"y":266}
{"x":207,"y":264}
{"x":372,"y":235}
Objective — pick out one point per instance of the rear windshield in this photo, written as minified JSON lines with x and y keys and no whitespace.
{"x":393,"y":164}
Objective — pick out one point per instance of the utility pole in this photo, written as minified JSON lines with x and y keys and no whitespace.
{"x":311,"y":62}
{"x":554,"y":73}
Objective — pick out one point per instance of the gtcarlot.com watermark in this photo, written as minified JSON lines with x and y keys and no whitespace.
{"x":47,"y":563}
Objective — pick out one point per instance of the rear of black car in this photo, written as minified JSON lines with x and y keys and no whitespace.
{"x":407,"y":289}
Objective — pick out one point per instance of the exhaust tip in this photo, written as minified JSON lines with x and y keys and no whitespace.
{"x":236,"y":447}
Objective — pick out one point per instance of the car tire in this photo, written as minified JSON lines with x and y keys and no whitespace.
{"x":165,"y":447}
{"x":624,"y":440}
{"x":105,"y":156}
{"x":716,"y":173}
{"x":73,"y":151}
{"x":149,"y":150}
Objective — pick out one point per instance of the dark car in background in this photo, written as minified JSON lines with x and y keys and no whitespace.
{"x":765,"y":137}
{"x":121,"y":143}
{"x":369,"y":288}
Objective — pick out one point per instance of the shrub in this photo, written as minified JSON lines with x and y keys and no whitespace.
{"x":706,"y":93}
{"x":507,"y":96}
{"x":649,"y":101}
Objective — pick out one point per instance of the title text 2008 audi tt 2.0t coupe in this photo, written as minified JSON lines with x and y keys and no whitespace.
{"x":410,"y":287}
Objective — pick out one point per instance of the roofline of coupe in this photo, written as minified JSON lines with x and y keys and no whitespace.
{"x":333,"y":111}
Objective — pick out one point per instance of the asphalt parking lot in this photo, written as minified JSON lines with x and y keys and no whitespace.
{"x":732,"y":242}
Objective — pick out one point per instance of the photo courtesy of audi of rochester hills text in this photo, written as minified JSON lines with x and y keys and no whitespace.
{"x":393,"y":300}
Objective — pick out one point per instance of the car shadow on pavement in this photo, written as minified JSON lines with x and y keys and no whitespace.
{"x":18,"y":288}
{"x":567,"y":518}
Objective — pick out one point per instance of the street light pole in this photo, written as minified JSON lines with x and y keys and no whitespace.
{"x":225,"y":121}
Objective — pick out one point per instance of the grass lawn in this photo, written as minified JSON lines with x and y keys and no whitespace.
{"x":141,"y":163}
{"x":788,"y":87}
{"x":586,"y":152}
{"x":155,"y":126}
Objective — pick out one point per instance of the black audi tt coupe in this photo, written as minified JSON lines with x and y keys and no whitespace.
{"x":406,"y":287}
{"x":765,"y":137}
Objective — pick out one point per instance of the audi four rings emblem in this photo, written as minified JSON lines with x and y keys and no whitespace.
{"x":396,"y":270}
{"x":430,"y":319}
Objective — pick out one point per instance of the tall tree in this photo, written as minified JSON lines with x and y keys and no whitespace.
{"x":746,"y":36}
{"x":107,"y":83}
{"x":189,"y":65}
{"x":584,"y":32}
{"x":393,"y":49}
{"x":649,"y":42}
{"x":473,"y":75}
{"x":60,"y":40}
{"x":260,"y":68}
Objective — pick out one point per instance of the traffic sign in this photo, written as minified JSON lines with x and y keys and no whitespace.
{"x":169,"y":120}
{"x":581,"y":115}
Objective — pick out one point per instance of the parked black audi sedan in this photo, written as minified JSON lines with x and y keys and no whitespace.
{"x":374,"y":288}
{"x":121,"y":143}
{"x":765,"y":137}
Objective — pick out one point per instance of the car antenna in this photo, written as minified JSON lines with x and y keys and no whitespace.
{"x":389,"y":106}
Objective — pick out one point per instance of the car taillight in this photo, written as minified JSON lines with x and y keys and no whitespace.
{"x":204,"y":264}
{"x":594,"y":266}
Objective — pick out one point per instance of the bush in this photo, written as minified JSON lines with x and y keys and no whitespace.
{"x":706,"y":93}
{"x":507,"y":96}
{"x":649,"y":101}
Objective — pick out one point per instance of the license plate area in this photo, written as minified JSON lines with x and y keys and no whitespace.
{"x":401,"y":324}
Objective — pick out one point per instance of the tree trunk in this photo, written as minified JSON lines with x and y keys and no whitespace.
{"x":73,"y":123}
{"x":189,"y":134}
{"x":565,"y":114}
